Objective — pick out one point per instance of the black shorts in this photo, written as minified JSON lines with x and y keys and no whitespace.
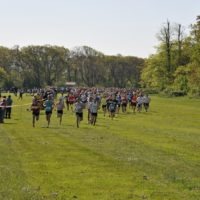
{"x":48,"y":112}
{"x":59,"y":111}
{"x":133,"y":104}
{"x":146,"y":104}
{"x":94,"y":114}
{"x":103,"y":106}
{"x":36,"y":113}
{"x":79,"y":115}
{"x":139,"y":105}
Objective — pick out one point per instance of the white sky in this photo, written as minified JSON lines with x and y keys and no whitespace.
{"x":126,"y":27}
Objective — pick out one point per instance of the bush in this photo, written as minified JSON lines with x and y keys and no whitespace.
{"x":151,"y":90}
{"x":173,"y":93}
{"x":194,"y":92}
{"x":179,"y":93}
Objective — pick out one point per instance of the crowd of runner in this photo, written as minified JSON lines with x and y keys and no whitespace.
{"x":112,"y":101}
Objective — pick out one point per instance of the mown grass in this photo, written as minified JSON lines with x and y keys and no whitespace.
{"x":153,"y":155}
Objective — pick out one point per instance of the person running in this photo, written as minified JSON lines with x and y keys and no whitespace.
{"x":93,"y":110}
{"x":83,"y":98}
{"x":112,"y":108}
{"x":139,"y":103}
{"x":118,"y":100}
{"x":129,"y":97}
{"x":98,"y":99}
{"x":35,"y":108}
{"x":146,"y":100}
{"x":109,"y":100}
{"x":67,"y":101}
{"x":103,"y":102}
{"x":134,"y":102}
{"x":71,"y":100}
{"x":48,"y":104}
{"x":79,"y":111}
{"x":89,"y":102}
{"x":60,"y":105}
{"x":124,"y":103}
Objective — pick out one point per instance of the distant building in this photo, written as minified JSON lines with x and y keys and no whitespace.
{"x":70,"y":84}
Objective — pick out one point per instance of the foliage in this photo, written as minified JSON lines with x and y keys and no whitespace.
{"x":175,"y":68}
{"x":154,"y":74}
{"x":181,"y":78}
{"x":39,"y":66}
{"x":3,"y":75}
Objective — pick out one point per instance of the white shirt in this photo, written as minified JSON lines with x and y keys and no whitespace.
{"x":139,"y":100}
{"x":93,"y":107}
{"x":146,"y":99}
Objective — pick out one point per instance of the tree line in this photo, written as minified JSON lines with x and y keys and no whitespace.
{"x":40,"y":66}
{"x":175,"y":67}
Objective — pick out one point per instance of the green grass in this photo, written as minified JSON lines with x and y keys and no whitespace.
{"x":154,"y":155}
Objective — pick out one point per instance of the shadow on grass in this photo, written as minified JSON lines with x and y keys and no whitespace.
{"x":100,"y":125}
{"x":7,"y":123}
{"x":53,"y":127}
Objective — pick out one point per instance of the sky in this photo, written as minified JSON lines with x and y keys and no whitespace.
{"x":126,"y":27}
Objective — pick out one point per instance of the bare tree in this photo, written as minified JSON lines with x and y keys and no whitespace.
{"x":165,"y":36}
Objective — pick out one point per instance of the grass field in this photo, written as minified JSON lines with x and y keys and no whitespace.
{"x":154,"y":155}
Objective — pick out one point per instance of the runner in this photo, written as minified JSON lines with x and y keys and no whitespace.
{"x":60,"y":106}
{"x":93,"y":111}
{"x":89,"y":102}
{"x":118,"y":100}
{"x":48,"y":104}
{"x":124,"y":103}
{"x":35,"y":107}
{"x":79,"y":111}
{"x":104,"y":105}
{"x":67,"y":101}
{"x":112,"y":108}
{"x":134,"y":102}
{"x":146,"y":100}
{"x":109,"y":100}
{"x":139,"y":103}
{"x":71,"y":100}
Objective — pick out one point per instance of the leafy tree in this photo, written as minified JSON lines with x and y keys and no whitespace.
{"x":3,"y":76}
{"x":39,"y":66}
{"x":181,"y":79}
{"x":176,"y":64}
{"x":194,"y":76}
{"x":154,"y":73}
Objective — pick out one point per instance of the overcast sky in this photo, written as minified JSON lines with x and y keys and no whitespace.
{"x":126,"y":27}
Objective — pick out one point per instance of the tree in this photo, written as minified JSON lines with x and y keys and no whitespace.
{"x":85,"y":59}
{"x":165,"y":37}
{"x":39,"y":66}
{"x":3,"y":76}
{"x":194,"y":76}
{"x":154,"y":72}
